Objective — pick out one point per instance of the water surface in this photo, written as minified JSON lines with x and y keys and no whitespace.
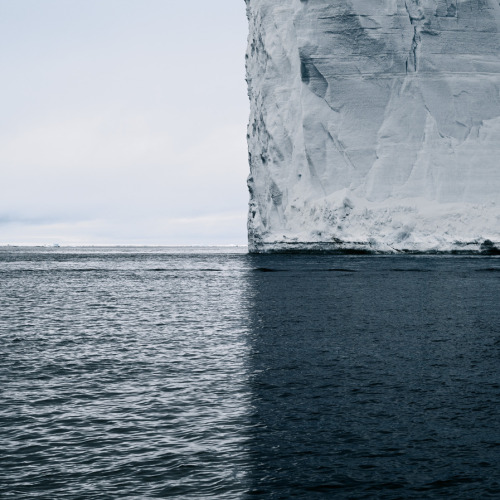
{"x":210,"y":373}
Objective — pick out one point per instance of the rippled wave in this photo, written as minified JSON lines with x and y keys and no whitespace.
{"x":155,"y":373}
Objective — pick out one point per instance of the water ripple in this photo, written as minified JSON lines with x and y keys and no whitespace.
{"x":154,"y":373}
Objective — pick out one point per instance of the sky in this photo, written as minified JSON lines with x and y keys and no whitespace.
{"x":123,"y":122}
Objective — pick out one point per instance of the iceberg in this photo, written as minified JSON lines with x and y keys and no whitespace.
{"x":374,"y":125}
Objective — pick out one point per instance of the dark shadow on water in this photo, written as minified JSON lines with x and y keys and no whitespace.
{"x":374,"y":383}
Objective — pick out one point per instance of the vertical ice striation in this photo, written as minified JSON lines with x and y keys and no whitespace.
{"x":375,"y":124}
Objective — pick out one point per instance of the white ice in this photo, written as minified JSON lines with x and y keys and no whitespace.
{"x":374,"y":124}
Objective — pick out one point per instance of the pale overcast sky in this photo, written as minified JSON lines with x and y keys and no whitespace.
{"x":123,"y":122}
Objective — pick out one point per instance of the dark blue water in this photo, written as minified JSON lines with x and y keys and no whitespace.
{"x":198,"y":373}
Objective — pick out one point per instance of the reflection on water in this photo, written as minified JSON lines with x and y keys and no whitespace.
{"x":375,"y":377}
{"x":123,"y":374}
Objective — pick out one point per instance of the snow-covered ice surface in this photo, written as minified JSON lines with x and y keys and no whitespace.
{"x":375,"y":125}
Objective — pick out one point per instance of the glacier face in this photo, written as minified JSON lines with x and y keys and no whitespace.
{"x":375,"y":124}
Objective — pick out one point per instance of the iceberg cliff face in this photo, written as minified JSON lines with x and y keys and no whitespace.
{"x":375,"y":124}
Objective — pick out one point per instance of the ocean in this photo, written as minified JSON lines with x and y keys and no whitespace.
{"x":195,"y":373}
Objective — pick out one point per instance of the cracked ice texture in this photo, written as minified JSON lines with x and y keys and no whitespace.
{"x":374,"y":124}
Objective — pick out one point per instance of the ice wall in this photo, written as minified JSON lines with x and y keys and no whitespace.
{"x":375,"y":124}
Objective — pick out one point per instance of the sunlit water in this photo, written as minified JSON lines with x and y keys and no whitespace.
{"x":210,"y":373}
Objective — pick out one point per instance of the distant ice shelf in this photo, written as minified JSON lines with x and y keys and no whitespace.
{"x":374,"y":125}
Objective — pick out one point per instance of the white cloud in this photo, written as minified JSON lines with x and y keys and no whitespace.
{"x":124,"y":122}
{"x":216,"y":229}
